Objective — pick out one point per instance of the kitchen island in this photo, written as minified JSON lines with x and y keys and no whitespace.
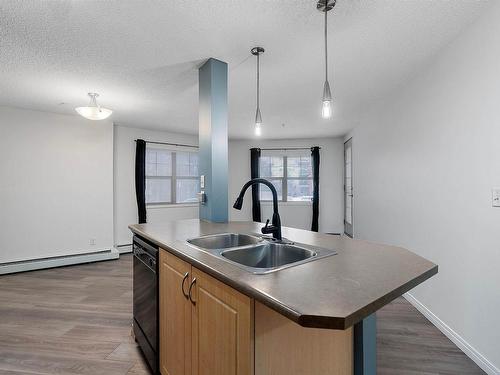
{"x":217,"y":318}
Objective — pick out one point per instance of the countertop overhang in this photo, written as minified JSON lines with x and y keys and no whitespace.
{"x":334,"y":292}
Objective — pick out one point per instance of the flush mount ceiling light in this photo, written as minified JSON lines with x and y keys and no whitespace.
{"x":325,"y":6}
{"x":94,"y":111}
{"x":257,"y":51}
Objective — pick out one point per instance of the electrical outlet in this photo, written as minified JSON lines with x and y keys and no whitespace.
{"x":92,"y":242}
{"x":495,"y":197}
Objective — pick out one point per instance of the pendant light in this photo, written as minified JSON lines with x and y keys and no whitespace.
{"x":326,"y":112}
{"x":257,"y":51}
{"x":94,"y":111}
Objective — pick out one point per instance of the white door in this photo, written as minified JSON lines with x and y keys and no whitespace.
{"x":348,"y":190}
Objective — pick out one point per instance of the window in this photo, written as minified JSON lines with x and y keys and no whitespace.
{"x":290,"y":175}
{"x":171,"y":176}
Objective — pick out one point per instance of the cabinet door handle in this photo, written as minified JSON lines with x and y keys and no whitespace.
{"x":186,"y":275}
{"x":190,"y":289}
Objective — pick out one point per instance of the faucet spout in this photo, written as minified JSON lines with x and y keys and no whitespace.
{"x":275,"y":228}
{"x":238,"y":203}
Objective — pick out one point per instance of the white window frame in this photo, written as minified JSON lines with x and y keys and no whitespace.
{"x":173,"y":179}
{"x":284,"y":181}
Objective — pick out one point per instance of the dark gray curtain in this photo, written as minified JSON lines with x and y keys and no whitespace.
{"x":140,"y":179}
{"x":315,"y":201}
{"x":254,"y":173}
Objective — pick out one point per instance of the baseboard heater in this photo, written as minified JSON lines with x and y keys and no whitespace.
{"x":58,"y":261}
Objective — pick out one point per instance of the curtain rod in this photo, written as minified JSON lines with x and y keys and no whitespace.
{"x":169,"y":144}
{"x":286,"y":148}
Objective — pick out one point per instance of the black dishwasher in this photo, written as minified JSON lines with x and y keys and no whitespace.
{"x":146,"y":299}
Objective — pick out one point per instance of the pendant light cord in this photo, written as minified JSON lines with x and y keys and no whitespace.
{"x":258,"y":80}
{"x":326,"y":40}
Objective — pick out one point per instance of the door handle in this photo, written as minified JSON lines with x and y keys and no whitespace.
{"x":190,"y":289}
{"x":186,"y":275}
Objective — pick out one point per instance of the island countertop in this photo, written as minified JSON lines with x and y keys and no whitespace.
{"x":334,"y":292}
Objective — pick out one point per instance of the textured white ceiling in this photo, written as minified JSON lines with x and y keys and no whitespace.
{"x":142,"y":57}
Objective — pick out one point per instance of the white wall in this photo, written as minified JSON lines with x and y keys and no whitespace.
{"x":56,"y":186}
{"x":125,"y":212}
{"x":293,"y":214}
{"x":425,"y":161}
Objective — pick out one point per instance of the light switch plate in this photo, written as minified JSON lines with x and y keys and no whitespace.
{"x":495,"y":197}
{"x":202,"y":181}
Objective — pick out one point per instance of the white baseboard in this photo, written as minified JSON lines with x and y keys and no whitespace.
{"x":458,"y":340}
{"x":59,"y":261}
{"x":124,"y":249}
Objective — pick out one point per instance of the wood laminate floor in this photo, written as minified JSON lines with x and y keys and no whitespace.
{"x":77,"y":320}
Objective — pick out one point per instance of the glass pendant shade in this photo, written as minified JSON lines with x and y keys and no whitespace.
{"x":326,"y":111}
{"x":258,"y":129}
{"x":258,"y":122}
{"x":93,"y":111}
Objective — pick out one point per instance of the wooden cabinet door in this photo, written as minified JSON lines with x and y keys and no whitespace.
{"x":222,"y":328}
{"x":175,"y":316}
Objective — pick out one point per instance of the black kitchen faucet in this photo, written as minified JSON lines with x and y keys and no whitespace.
{"x":275,"y":227}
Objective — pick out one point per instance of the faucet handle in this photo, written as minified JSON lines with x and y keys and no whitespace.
{"x":268,"y":228}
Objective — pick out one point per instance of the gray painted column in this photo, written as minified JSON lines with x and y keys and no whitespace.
{"x":365,"y":346}
{"x":213,"y":138}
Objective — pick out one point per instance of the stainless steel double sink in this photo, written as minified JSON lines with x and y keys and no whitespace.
{"x":258,"y":255}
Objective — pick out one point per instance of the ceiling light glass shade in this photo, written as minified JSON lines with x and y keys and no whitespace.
{"x":258,"y":129}
{"x":258,"y":122}
{"x":326,"y":111}
{"x":94,"y":111}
